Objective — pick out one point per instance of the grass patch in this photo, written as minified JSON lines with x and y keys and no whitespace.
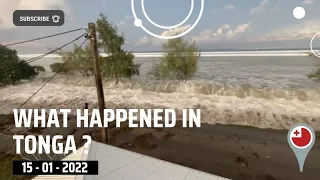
{"x":6,"y":168}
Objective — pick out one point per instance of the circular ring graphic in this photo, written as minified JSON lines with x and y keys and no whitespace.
{"x":138,"y":23}
{"x":311,"y":48}
{"x":166,"y":27}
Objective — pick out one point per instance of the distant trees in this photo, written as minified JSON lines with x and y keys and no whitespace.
{"x":81,"y":62}
{"x":60,"y":68}
{"x":118,"y":63}
{"x":13,"y":70}
{"x":315,"y":75}
{"x":39,"y":69}
{"x":179,"y":62}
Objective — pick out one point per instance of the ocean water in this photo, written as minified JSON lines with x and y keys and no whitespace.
{"x":261,"y":89}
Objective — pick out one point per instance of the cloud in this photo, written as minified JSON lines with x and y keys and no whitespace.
{"x":300,"y":31}
{"x":308,"y":1}
{"x":145,"y":40}
{"x":229,"y":7}
{"x":261,"y":8}
{"x":8,"y":7}
{"x":148,"y":40}
{"x":223,"y":33}
{"x":274,"y":8}
{"x":176,"y":31}
{"x":127,"y":19}
{"x":122,"y":23}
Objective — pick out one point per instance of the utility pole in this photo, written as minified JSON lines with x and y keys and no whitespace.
{"x":98,"y":79}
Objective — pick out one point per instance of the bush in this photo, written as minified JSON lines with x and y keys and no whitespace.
{"x":81,"y":62}
{"x":13,"y":69}
{"x":6,"y":168}
{"x":60,"y":68}
{"x":39,"y":69}
{"x":118,"y":63}
{"x":179,"y":62}
{"x":316,"y":75}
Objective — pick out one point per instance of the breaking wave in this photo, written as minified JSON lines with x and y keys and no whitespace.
{"x":262,"y":107}
{"x":197,"y":87}
{"x":255,"y":90}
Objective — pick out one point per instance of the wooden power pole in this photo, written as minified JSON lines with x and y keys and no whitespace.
{"x":98,"y":79}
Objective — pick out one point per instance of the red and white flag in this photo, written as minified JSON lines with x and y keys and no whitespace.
{"x":301,"y":136}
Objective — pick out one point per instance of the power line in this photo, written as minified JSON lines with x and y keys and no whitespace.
{"x":43,"y":55}
{"x":53,"y":35}
{"x":50,"y":52}
{"x":53,"y":74}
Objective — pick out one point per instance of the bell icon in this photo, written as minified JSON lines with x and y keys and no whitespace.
{"x":55,"y":18}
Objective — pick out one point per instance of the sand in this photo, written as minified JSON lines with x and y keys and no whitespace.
{"x":235,"y":152}
{"x":232,"y":151}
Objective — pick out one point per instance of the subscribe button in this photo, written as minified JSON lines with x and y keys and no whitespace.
{"x":38,"y":18}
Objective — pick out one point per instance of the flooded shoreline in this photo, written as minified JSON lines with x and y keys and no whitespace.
{"x":257,"y":112}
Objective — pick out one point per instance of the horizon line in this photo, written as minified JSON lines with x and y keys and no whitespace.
{"x":214,"y":50}
{"x":251,"y":53}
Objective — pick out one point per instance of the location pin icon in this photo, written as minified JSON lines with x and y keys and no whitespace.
{"x":301,"y":138}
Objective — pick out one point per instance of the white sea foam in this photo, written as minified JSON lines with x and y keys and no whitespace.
{"x":264,"y":113}
{"x":283,"y":53}
{"x":266,"y":92}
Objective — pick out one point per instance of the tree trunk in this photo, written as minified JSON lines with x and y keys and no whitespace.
{"x":117,"y":78}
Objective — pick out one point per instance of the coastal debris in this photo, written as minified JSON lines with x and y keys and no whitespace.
{"x":255,"y":154}
{"x":242,"y":161}
{"x":168,"y":136}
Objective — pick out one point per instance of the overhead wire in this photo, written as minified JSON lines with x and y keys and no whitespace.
{"x":53,"y":74}
{"x":52,"y":51}
{"x":43,"y":55}
{"x":44,"y":37}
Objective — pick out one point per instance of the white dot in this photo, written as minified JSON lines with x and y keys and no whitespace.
{"x":138,"y":22}
{"x":299,"y":12}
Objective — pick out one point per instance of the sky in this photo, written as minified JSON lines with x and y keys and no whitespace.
{"x":227,"y":24}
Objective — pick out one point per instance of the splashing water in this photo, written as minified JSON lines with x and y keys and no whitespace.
{"x":265,"y":92}
{"x":260,"y":112}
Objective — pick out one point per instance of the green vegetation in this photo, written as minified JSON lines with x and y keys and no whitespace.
{"x":316,"y":75}
{"x":13,"y":69}
{"x":180,"y":61}
{"x":59,"y":68}
{"x":81,"y":62}
{"x":118,"y":63}
{"x":312,"y":54}
{"x":6,"y":168}
{"x":39,"y":69}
